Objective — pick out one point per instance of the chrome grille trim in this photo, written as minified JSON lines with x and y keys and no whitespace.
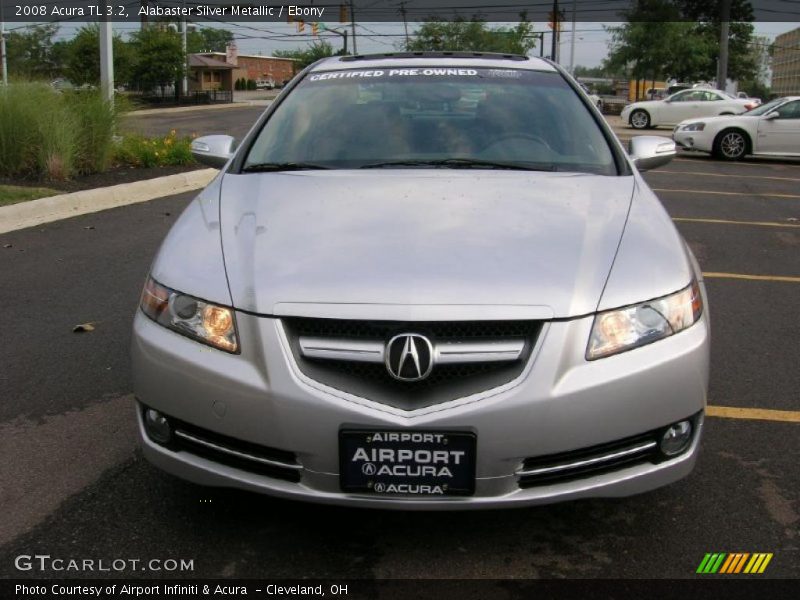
{"x":341,"y":349}
{"x":596,"y":460}
{"x":235,"y":453}
{"x":443,"y":352}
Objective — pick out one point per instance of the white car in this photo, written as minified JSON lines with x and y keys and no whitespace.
{"x":772,"y":129}
{"x":686,"y":104}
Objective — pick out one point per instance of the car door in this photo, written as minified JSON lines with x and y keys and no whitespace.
{"x":780,"y":135}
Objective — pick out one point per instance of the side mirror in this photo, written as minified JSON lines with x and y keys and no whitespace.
{"x":772,"y":115}
{"x":651,"y":151}
{"x":213,"y":150}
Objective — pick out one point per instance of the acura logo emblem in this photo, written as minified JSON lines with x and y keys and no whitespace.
{"x":409,"y":357}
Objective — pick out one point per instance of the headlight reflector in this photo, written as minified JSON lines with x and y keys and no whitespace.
{"x":202,"y":321}
{"x":619,"y":330}
{"x":694,"y":127}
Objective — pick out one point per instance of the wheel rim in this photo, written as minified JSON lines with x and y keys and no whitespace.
{"x":732,"y":145}
{"x":639,"y":120}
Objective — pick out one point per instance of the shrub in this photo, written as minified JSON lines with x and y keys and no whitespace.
{"x":139,"y":151}
{"x":47,"y":134}
{"x":251,"y":84}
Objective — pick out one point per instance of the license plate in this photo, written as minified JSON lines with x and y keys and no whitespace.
{"x":407,"y":463}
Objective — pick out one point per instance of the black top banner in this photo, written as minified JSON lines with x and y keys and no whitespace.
{"x":338,"y":12}
{"x":408,"y":589}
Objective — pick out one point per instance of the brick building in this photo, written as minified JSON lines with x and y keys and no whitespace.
{"x":786,"y":64}
{"x":257,"y":67}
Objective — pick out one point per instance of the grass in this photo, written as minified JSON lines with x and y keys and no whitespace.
{"x":51,"y":135}
{"x":11,"y":194}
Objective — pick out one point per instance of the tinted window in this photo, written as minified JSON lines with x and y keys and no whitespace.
{"x":357,"y":118}
{"x":790,"y":110}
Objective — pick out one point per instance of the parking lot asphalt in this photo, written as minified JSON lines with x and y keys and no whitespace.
{"x":73,"y":484}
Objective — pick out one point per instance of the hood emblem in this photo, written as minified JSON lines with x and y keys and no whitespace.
{"x":409,"y":357}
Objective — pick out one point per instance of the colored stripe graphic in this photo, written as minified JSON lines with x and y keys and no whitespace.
{"x":734,"y":563}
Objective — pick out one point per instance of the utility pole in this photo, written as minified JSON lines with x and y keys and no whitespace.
{"x":185,"y":82}
{"x":405,"y":21}
{"x":724,"y":32}
{"x":556,"y":25}
{"x":3,"y":61}
{"x":353,"y":26}
{"x":106,"y":57}
{"x":572,"y":42}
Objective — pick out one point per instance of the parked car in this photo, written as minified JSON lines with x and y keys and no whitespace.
{"x":683,"y":105}
{"x":596,"y":100}
{"x":772,"y":129}
{"x":747,"y":96}
{"x":389,"y":297}
{"x":265,"y":84}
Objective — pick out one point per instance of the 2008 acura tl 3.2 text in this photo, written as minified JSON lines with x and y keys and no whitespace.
{"x":425,"y":281}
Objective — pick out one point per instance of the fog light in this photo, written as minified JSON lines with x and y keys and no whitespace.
{"x":157,"y":426}
{"x":676,"y":438}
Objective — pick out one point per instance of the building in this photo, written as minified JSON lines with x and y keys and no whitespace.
{"x":786,"y":64}
{"x":207,"y":74}
{"x":257,"y":67}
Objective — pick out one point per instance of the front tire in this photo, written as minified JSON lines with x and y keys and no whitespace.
{"x":731,"y":144}
{"x":640,"y":119}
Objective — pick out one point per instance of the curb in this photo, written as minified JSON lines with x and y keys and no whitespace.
{"x":184,"y":109}
{"x":54,"y":208}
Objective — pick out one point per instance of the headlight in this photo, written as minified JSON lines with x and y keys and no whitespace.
{"x":619,"y":330}
{"x":694,"y":127}
{"x":202,"y":321}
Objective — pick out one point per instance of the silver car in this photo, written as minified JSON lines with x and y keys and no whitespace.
{"x":425,"y":281}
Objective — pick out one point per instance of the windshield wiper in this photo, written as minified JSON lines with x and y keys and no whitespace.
{"x":284,"y":166}
{"x":461,"y":163}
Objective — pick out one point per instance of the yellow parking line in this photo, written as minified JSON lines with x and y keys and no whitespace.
{"x":754,"y":414}
{"x":727,"y":175}
{"x":718,"y":193}
{"x":784,"y":278}
{"x":726,"y":222}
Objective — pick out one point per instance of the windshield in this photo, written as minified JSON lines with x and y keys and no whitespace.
{"x":765,"y":108}
{"x":432,"y":118}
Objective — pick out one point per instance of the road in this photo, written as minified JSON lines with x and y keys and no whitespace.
{"x":73,"y":484}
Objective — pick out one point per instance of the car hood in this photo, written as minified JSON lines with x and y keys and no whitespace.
{"x":303,"y":242}
{"x":712,"y":120}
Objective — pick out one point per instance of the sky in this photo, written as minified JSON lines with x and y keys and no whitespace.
{"x":591,"y":38}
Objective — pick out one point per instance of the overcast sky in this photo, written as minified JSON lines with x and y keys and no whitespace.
{"x":264,"y":38}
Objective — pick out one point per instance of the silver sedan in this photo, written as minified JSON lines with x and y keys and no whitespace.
{"x":425,"y":282}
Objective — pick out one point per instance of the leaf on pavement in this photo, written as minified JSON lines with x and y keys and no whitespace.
{"x":83,"y":327}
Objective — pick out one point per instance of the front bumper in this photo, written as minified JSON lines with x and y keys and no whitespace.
{"x":560,"y":403}
{"x":692,"y":140}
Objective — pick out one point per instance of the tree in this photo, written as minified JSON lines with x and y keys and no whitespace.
{"x":158,"y":58}
{"x":30,"y":52}
{"x":208,"y":39}
{"x":82,"y":57}
{"x":473,"y":35}
{"x":309,"y":55}
{"x":680,"y":39}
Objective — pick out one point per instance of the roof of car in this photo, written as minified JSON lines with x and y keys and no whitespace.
{"x":443,"y":58}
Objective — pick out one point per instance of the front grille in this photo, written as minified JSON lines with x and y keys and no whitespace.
{"x":446,"y":382}
{"x":239,"y":454}
{"x":595,"y":460}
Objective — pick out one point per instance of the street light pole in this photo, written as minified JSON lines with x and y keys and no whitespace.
{"x":106,"y":57}
{"x":3,"y":46}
